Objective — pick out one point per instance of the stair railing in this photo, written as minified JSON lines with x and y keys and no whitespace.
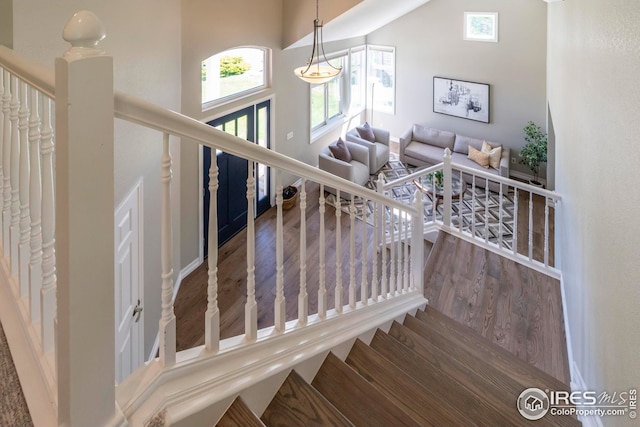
{"x":58,"y":256}
{"x":509,"y":217}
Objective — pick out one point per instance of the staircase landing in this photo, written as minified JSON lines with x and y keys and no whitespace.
{"x":510,"y":305}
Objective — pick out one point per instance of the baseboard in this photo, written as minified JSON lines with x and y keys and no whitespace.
{"x":525,"y":177}
{"x":176,"y":287}
{"x":592,"y":421}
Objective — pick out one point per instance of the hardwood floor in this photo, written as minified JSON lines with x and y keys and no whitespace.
{"x":515,"y":307}
{"x":502,"y":301}
{"x":191,"y":301}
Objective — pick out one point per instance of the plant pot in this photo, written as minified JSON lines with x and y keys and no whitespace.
{"x":289,"y":202}
{"x":536,"y":183}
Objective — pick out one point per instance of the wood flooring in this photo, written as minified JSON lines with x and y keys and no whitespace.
{"x":508,"y":304}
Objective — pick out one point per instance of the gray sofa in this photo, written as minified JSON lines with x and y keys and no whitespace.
{"x":378,"y":150}
{"x":424,"y":146}
{"x":356,"y":171}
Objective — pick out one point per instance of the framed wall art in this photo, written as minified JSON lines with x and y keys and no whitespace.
{"x":460,"y":98}
{"x":481,"y":26}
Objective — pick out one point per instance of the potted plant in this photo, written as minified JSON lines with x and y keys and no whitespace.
{"x":535,"y":151}
{"x":289,"y":196}
{"x":438,"y":177}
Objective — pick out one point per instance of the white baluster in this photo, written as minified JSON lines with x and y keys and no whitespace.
{"x":392,"y":266}
{"x":530,"y":226}
{"x":379,"y":230}
{"x":364,"y":285}
{"x":338,"y":291}
{"x":322,"y":290}
{"x":546,"y":232}
{"x":48,"y":301}
{"x":460,"y":205}
{"x":384,"y":285}
{"x":24,"y":247}
{"x":448,"y":175}
{"x":473,"y":207}
{"x":486,"y":210}
{"x":35,"y":208}
{"x":500,"y":219}
{"x":168,"y":318}
{"x":399,"y":252}
{"x":417,"y":248}
{"x":352,"y":254}
{"x":515,"y":221}
{"x":15,"y":178}
{"x":434,"y":199}
{"x":406,"y":252}
{"x":280,"y":313}
{"x":212,"y":315}
{"x":251,"y":306}
{"x":303,"y":297}
{"x":6,"y":165}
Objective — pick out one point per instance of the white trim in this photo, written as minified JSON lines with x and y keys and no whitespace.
{"x":580,"y":385}
{"x":567,"y":335}
{"x":199,"y":379}
{"x":176,"y":287}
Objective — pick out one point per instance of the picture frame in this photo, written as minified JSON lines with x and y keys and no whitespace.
{"x":461,"y":98}
{"x":481,"y":26}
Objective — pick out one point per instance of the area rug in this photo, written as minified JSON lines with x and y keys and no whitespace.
{"x":489,"y":227}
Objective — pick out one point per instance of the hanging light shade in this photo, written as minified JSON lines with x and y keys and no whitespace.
{"x":314,"y":72}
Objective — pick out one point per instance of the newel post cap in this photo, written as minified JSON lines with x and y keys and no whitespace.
{"x":84,"y":30}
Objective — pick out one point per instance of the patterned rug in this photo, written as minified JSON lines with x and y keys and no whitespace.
{"x":460,"y":211}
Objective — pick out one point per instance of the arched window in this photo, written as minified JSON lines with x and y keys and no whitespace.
{"x":233,"y":73}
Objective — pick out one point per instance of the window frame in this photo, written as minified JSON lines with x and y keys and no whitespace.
{"x":330,"y":121}
{"x":386,"y":49}
{"x":266,"y":79}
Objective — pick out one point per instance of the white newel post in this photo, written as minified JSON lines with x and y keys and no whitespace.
{"x":446,"y":213}
{"x":84,"y":225}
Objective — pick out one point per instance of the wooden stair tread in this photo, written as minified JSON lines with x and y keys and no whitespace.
{"x":239,"y":415}
{"x":483,"y":348}
{"x":298,"y":404}
{"x":424,"y":405}
{"x":355,"y":397}
{"x":497,"y":387}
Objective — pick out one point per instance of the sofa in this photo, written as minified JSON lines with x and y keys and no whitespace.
{"x":424,"y":146}
{"x":378,"y":149}
{"x":357,"y":170}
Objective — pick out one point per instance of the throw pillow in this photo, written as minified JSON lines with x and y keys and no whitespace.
{"x":366,"y":132}
{"x":495,"y":154}
{"x":479,"y":157}
{"x":340,"y":151}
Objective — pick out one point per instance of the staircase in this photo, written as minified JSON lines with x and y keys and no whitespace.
{"x":427,"y":371}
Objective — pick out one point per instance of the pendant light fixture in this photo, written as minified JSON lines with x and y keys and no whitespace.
{"x":314,"y":72}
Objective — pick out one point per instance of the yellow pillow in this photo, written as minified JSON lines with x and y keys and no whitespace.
{"x":479,"y":157}
{"x":495,"y":154}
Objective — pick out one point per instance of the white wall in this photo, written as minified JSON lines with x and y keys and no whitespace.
{"x":144,"y":39}
{"x":429,"y":42}
{"x":594,"y":97}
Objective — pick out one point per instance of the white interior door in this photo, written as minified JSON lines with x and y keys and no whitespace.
{"x":128,"y":285}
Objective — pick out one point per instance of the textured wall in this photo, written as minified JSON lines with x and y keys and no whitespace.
{"x":594,"y":97}
{"x":429,"y":42}
{"x":144,"y":39}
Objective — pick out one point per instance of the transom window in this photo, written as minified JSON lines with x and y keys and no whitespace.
{"x":233,"y":73}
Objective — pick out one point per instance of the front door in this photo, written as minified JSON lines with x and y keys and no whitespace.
{"x":252,"y":124}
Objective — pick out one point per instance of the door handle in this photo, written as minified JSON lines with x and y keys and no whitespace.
{"x":136,"y":312}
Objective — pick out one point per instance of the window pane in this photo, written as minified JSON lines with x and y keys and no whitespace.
{"x":317,"y":105}
{"x":232,"y":72}
{"x":358,"y":81}
{"x":382,"y":76}
{"x":333,"y":98}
